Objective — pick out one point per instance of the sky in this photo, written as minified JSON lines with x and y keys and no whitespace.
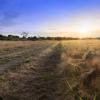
{"x":50,"y":17}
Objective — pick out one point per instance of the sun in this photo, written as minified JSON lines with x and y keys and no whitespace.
{"x":84,"y":29}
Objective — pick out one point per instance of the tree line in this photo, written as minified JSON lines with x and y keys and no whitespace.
{"x":33,"y":38}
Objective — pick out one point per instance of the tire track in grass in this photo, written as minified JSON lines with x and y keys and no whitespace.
{"x":45,"y":83}
{"x":10,"y":93}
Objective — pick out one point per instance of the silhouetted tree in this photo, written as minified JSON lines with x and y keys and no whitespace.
{"x":24,"y":34}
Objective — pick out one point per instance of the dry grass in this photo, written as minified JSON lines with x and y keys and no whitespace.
{"x":66,"y":71}
{"x":82,"y":61}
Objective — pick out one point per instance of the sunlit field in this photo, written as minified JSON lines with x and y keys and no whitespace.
{"x":50,"y":70}
{"x":49,"y":49}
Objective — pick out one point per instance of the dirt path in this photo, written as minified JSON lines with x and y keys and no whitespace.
{"x":40,"y":81}
{"x":47,"y":83}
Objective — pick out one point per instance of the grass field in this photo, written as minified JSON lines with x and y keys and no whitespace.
{"x":50,"y":70}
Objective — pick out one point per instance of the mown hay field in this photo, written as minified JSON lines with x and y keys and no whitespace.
{"x":50,"y":70}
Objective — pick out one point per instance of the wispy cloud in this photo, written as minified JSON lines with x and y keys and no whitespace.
{"x":7,"y":14}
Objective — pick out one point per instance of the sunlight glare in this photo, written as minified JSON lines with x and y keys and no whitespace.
{"x":84,"y":29}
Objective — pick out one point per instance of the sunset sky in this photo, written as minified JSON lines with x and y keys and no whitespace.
{"x":51,"y":17}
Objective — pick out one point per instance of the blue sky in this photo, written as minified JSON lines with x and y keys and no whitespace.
{"x":48,"y":16}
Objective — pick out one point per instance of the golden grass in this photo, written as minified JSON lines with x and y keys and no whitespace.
{"x":73,"y":63}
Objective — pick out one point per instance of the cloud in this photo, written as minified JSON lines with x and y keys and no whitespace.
{"x":7,"y":13}
{"x":8,"y":19}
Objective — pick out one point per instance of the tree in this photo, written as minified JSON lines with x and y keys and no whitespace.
{"x":24,"y":34}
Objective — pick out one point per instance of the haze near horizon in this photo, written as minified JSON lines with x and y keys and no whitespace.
{"x":75,"y":18}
